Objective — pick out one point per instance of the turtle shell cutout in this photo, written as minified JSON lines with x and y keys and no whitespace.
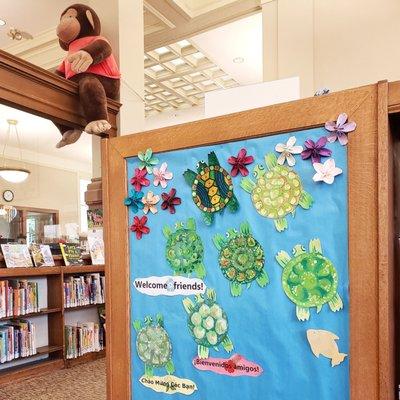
{"x":215,"y":190}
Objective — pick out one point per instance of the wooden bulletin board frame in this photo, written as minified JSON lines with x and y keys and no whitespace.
{"x":370,"y":223}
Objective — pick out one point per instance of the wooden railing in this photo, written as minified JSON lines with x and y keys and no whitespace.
{"x":35,"y":90}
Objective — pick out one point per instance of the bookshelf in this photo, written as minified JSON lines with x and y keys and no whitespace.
{"x":51,"y":356}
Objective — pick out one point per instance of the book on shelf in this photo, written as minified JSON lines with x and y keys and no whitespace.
{"x":71,"y":253}
{"x":42,"y":256}
{"x":17,"y":340}
{"x":81,"y":339}
{"x":16,"y":255}
{"x":84,"y":290}
{"x":18,"y":297}
{"x":96,"y":246}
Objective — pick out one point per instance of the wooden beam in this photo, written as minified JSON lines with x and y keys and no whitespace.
{"x":32,"y":89}
{"x":202,"y":23}
{"x":167,"y":11}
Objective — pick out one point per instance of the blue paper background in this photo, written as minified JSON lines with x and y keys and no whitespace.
{"x":262,"y":322}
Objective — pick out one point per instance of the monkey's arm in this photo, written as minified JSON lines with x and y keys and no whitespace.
{"x":99,"y":50}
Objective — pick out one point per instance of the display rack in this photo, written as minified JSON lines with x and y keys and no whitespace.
{"x":55,"y":311}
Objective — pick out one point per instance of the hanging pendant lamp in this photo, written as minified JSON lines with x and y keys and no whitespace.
{"x":11,"y":174}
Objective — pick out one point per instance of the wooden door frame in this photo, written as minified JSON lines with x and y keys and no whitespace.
{"x":370,"y":222}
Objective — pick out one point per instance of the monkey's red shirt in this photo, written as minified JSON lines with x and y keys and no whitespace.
{"x":107,"y":67}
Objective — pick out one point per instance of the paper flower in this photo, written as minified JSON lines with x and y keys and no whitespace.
{"x":315,"y":150}
{"x":287,"y":150}
{"x":239,"y":163}
{"x":162,"y":175}
{"x":230,"y":366}
{"x":150,"y":200}
{"x":134,"y":201}
{"x":170,"y":201}
{"x":139,"y":227}
{"x":147,"y":160}
{"x":326,"y":172}
{"x":339,"y":129}
{"x":139,"y":179}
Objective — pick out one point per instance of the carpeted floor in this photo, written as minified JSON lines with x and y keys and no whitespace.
{"x":86,"y":382}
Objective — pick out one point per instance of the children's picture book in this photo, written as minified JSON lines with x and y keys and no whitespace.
{"x":95,"y":218}
{"x":16,"y":255}
{"x":71,"y":253}
{"x":42,"y":256}
{"x":96,"y":246}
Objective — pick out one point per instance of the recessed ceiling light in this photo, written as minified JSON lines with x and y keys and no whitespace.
{"x":238,"y":60}
{"x":162,"y":50}
{"x":2,"y":22}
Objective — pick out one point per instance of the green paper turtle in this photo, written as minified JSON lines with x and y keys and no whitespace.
{"x":207,"y":323}
{"x":184,"y":250}
{"x":212,"y":188}
{"x":309,"y":279}
{"x":241,"y":258}
{"x":277,"y":192}
{"x":154,"y":345}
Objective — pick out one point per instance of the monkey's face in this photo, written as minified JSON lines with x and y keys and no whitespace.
{"x":69,"y":27}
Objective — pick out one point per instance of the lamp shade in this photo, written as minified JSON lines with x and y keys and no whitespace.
{"x":14,"y":175}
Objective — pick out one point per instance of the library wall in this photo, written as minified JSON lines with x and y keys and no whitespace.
{"x":50,"y":188}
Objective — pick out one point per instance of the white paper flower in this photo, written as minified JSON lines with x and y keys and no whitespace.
{"x":287,"y":150}
{"x":326,"y":172}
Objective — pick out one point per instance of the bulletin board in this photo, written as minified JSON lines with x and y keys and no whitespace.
{"x":237,"y":262}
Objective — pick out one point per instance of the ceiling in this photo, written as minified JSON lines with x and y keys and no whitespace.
{"x":33,"y":16}
{"x":178,"y":75}
{"x":189,"y":50}
{"x":169,"y":21}
{"x":239,"y":39}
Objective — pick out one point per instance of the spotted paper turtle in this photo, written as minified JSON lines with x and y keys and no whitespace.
{"x":184,"y":250}
{"x":241,"y":258}
{"x":309,"y":279}
{"x":207,"y":323}
{"x":277,"y":191}
{"x":212,"y":188}
{"x":153,"y":345}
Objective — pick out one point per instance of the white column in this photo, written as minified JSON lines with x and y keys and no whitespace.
{"x":122,"y":22}
{"x":122,"y":25}
{"x":288,"y":34}
{"x":270,"y":39}
{"x":131,"y":59}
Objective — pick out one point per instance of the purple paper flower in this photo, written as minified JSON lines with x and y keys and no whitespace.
{"x":170,"y":201}
{"x":339,"y":129}
{"x":315,"y":150}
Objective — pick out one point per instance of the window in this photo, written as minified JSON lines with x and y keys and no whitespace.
{"x":83,"y":183}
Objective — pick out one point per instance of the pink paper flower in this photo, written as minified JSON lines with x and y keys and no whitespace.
{"x":150,"y":200}
{"x":287,"y":150}
{"x":162,"y":175}
{"x":170,"y":201}
{"x":315,"y":150}
{"x":326,"y":172}
{"x":139,"y":179}
{"x":139,"y":227}
{"x":339,"y":129}
{"x":239,"y":163}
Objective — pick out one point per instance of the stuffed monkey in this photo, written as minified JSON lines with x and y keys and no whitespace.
{"x":91,"y":65}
